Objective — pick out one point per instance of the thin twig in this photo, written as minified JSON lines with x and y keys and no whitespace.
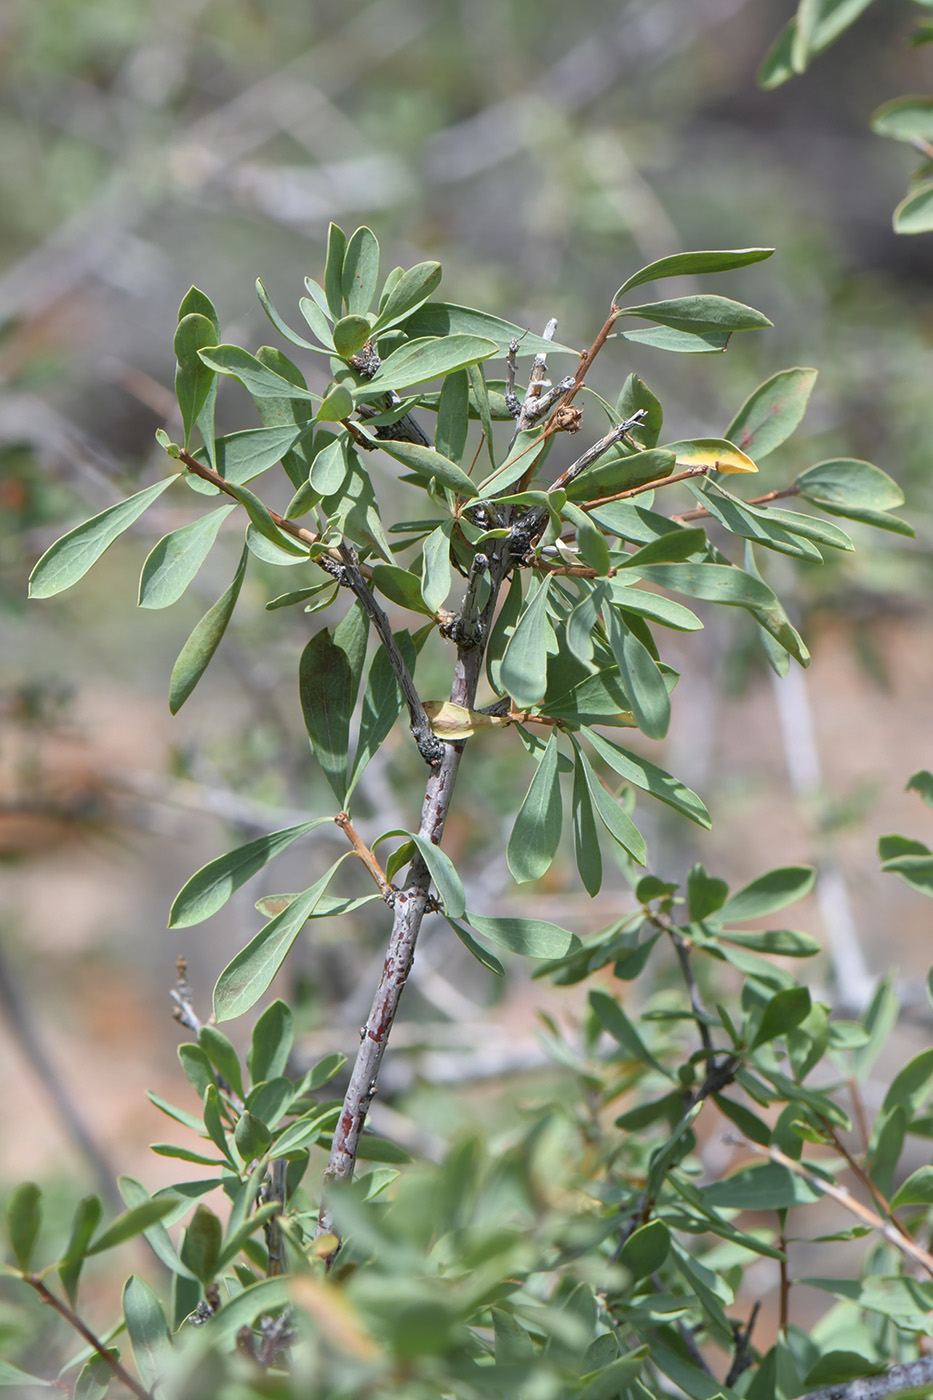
{"x":105,"y":1354}
{"x":429,"y":746}
{"x":743,"y":1336}
{"x":360,"y":849}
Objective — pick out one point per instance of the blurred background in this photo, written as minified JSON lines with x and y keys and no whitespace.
{"x":542,"y":152}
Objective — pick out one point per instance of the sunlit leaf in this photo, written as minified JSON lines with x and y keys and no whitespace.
{"x":257,"y":379}
{"x":531,"y":938}
{"x":176,"y":559}
{"x":699,"y":315}
{"x":714,"y":453}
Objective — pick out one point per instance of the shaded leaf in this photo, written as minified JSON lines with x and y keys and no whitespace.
{"x":846,"y":482}
{"x":613,"y":1019}
{"x":523,"y":671}
{"x":148,"y":1330}
{"x":193,"y":378}
{"x":537,"y":828}
{"x":410,"y":291}
{"x":914,"y":214}
{"x":643,"y":682}
{"x":195,"y":656}
{"x":481,"y":955}
{"x":784,"y":1011}
{"x":249,"y":974}
{"x":360,"y":272}
{"x":86,"y":1220}
{"x":23,"y":1219}
{"x":134,"y":1221}
{"x":531,"y":938}
{"x":200,"y":1249}
{"x":650,"y":778}
{"x":325,"y":684}
{"x":272,"y":1040}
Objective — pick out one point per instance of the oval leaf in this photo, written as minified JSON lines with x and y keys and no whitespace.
{"x":536,"y":833}
{"x":771,"y":414}
{"x":699,"y":315}
{"x":417,"y":361}
{"x":531,"y":938}
{"x":427,"y":463}
{"x":176,"y":559}
{"x":768,"y":893}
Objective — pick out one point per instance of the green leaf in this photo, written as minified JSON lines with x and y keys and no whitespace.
{"x":771,"y":414}
{"x":922,"y":782}
{"x":244,"y":980}
{"x":147,"y":1328}
{"x":835,"y":1368}
{"x":23,"y":1219}
{"x":325,"y":684}
{"x":680,"y":342}
{"x":176,"y":559}
{"x":12,"y":1375}
{"x":646,"y":1249}
{"x":482,"y":956}
{"x":694,"y":264}
{"x":706,"y":894}
{"x":769,"y":1186}
{"x":86,"y":1220}
{"x":758,"y":526}
{"x":401,"y":586}
{"x":846,"y":482}
{"x":240,"y":457}
{"x":409,"y":292}
{"x":417,"y":361}
{"x":444,"y":318}
{"x":95,"y":1377}
{"x":777,"y":942}
{"x":789,"y":54}
{"x":643,"y":682}
{"x":653,"y":606}
{"x":195,"y":656}
{"x":251,"y":1136}
{"x":193,"y":378}
{"x":222,"y":1056}
{"x":669,"y":548}
{"x":210,"y":888}
{"x":917,"y":1190}
{"x":523,"y":672}
{"x":914,"y":214}
{"x":647,"y":776}
{"x":531,"y":938}
{"x":336,"y":405}
{"x":616,"y":821}
{"x":768,"y":893}
{"x":333,"y":268}
{"x":284,"y":330}
{"x":426,"y":463}
{"x":382,"y":703}
{"x":915,"y":870}
{"x":442,"y":871}
{"x":132,"y":1222}
{"x":732,"y":587}
{"x":912,"y":1086}
{"x":613,"y":1019}
{"x":700,"y":315}
{"x":436,"y":573}
{"x":68,"y":559}
{"x":907,"y":119}
{"x":536,"y":832}
{"x":637,"y":396}
{"x":360,"y":273}
{"x":257,"y":379}
{"x":453,"y":416}
{"x":784,"y":1011}
{"x":200,"y":1250}
{"x":273,"y":1036}
{"x":134,"y":1194}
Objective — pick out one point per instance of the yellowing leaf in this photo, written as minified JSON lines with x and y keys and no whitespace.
{"x":452,"y":722}
{"x":715,"y":453}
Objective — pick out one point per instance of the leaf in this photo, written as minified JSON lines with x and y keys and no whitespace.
{"x":222,"y":1056}
{"x":426,"y":463}
{"x":917,"y":1190}
{"x":911,"y":1087}
{"x":714,"y":453}
{"x":523,"y":672}
{"x":536,"y":832}
{"x":835,"y":1368}
{"x":382,"y":703}
{"x":360,"y":272}
{"x":643,"y":682}
{"x":417,"y":361}
{"x":257,"y":379}
{"x":250,"y":973}
{"x":914,"y":214}
{"x":442,"y":872}
{"x":435,"y":569}
{"x":845,"y":482}
{"x":613,"y":1019}
{"x":452,"y":722}
{"x":616,"y":821}
{"x":251,"y":1136}
{"x":287,"y":332}
{"x":784,"y":1011}
{"x":333,"y":268}
{"x":200,"y":1249}
{"x":647,"y":776}
{"x":530,"y":938}
{"x":481,"y":955}
{"x":68,"y":559}
{"x":758,"y":527}
{"x":768,"y":893}
{"x":778,"y":942}
{"x":86,"y":1220}
{"x":195,"y":656}
{"x":769,"y":1186}
{"x":401,"y":587}
{"x":699,"y":315}
{"x":907,"y":119}
{"x":922,"y":782}
{"x":693,"y":265}
{"x":176,"y":559}
{"x":706,"y":894}
{"x":771,"y":414}
{"x":585,"y":832}
{"x":210,"y":888}
{"x":193,"y":378}
{"x":95,"y":1377}
{"x":453,"y":416}
{"x":410,"y":291}
{"x":327,"y":695}
{"x":240,"y":457}
{"x":147,"y":1328}
{"x":680,"y":342}
{"x":788,"y":55}
{"x":646,"y":1249}
{"x":132,"y":1222}
{"x":669,"y":548}
{"x":336,"y":404}
{"x":915,"y":870}
{"x":23,"y":1219}
{"x":273,"y":1036}
{"x":444,"y":318}
{"x":732,"y":587}
{"x":134,"y":1194}
{"x":12,"y":1375}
